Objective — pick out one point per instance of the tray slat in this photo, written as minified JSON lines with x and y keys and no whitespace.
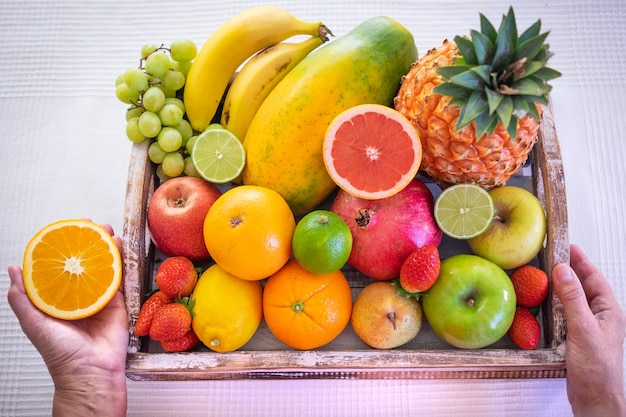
{"x":548,"y":183}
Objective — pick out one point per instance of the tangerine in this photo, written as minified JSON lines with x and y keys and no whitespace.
{"x":248,"y":231}
{"x":371,"y":151}
{"x":305,"y":310}
{"x":72,"y":269}
{"x":227,"y":310}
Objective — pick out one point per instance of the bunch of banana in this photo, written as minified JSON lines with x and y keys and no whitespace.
{"x":240,"y":37}
{"x":257,"y":79}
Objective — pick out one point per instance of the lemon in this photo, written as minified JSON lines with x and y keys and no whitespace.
{"x":218,"y":155}
{"x":463,"y":211}
{"x":322,"y":242}
{"x":227,"y":309}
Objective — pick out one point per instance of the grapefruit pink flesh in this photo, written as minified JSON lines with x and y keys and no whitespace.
{"x":372,"y":151}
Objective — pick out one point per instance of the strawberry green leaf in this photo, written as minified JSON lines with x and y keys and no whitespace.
{"x":404,"y":292}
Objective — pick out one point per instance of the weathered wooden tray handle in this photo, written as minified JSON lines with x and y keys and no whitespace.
{"x":549,"y":177}
{"x":136,"y":241}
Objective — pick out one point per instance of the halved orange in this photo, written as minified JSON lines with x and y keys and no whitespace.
{"x":72,"y":269}
{"x":371,"y":151}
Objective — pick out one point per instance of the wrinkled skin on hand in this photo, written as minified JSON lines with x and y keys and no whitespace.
{"x":594,"y":351}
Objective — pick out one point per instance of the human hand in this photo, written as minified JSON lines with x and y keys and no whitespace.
{"x":86,"y":358}
{"x":594,"y":351}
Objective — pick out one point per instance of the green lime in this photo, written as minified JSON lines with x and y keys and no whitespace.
{"x":322,"y":242}
{"x":214,"y":126}
{"x":463,"y":211}
{"x":218,"y":155}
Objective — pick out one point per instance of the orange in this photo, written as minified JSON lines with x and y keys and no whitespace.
{"x":371,"y":151}
{"x":227,"y":310}
{"x":72,"y":269}
{"x":248,"y":231}
{"x":305,"y":310}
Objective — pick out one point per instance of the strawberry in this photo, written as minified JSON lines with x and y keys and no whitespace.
{"x":525,"y":331}
{"x":187,"y":342}
{"x":531,"y":285}
{"x":170,"y":322}
{"x":420,"y":269}
{"x":147,"y":311}
{"x":176,"y":276}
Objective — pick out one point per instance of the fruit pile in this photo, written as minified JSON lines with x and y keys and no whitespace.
{"x":321,"y":145}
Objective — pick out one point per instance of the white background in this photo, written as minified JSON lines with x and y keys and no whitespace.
{"x":63,"y":153}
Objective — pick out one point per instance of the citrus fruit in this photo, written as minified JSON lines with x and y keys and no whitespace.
{"x":463,"y":211}
{"x":305,"y":310}
{"x":322,"y":242}
{"x":218,"y":155}
{"x":371,"y":151}
{"x":72,"y":269}
{"x":227,"y":310}
{"x":248,"y":231}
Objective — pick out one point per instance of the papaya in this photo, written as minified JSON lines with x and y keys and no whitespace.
{"x":284,"y":141}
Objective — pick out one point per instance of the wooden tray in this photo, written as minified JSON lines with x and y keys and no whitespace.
{"x":264,"y":357}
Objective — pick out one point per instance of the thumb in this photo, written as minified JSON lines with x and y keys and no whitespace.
{"x":27,"y":314}
{"x":572,"y":295}
{"x":16,"y":295}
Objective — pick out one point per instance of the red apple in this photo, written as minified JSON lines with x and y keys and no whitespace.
{"x":386,"y":231}
{"x":176,"y":216}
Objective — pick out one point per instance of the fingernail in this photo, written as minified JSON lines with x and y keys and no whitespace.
{"x":12,"y":272}
{"x":563,"y":272}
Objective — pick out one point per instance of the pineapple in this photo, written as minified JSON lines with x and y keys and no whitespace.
{"x":476,"y":102}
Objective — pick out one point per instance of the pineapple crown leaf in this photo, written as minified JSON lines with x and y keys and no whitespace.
{"x":499,"y":75}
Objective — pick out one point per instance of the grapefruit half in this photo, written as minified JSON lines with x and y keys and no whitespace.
{"x":371,"y":151}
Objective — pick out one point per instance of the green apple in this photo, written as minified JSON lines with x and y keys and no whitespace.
{"x":472,"y":303}
{"x":385,"y":318}
{"x":517,"y":232}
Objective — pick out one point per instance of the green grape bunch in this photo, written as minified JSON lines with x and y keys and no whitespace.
{"x":157,"y":112}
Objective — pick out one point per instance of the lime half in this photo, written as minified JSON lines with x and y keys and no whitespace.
{"x":463,"y":211}
{"x":218,"y":155}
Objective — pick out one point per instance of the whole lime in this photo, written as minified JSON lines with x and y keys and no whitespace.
{"x":322,"y":242}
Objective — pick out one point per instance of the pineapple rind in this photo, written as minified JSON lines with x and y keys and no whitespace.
{"x":453,"y":156}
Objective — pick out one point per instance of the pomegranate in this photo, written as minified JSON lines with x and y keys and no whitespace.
{"x":386,"y":231}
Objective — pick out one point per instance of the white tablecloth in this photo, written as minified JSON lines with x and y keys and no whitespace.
{"x":63,"y":153}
